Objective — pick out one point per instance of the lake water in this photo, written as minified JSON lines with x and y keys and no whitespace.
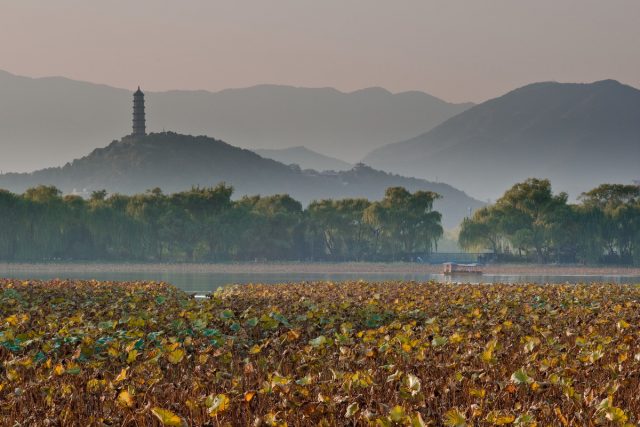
{"x":201,"y":282}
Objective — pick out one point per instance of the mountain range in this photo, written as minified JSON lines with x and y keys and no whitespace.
{"x":47,"y":121}
{"x":177,"y":162}
{"x":577,"y":135}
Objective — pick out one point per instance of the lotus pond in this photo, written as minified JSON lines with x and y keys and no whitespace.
{"x":323,"y":353}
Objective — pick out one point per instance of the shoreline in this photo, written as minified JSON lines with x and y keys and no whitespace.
{"x":312,"y":268}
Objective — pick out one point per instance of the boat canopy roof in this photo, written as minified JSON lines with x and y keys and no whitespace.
{"x":462,"y":265}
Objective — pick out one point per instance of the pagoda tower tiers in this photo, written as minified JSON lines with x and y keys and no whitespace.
{"x":139,"y":122}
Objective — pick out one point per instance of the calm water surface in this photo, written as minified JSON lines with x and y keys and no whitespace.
{"x":207,"y":282}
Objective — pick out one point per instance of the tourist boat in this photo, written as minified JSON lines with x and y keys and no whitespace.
{"x":455,"y":268}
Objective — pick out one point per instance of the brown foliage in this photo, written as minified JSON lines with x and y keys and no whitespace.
{"x":396,"y":353}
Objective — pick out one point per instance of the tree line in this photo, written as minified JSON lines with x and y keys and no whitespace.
{"x":530,"y":222}
{"x":207,"y":225}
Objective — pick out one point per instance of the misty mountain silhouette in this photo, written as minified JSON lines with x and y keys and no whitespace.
{"x":177,"y":162}
{"x":578,"y":135}
{"x":305,"y":158}
{"x":47,"y":121}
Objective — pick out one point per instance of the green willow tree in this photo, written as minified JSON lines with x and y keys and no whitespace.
{"x":483,"y":231}
{"x":617,"y":219}
{"x":339,"y":229}
{"x":206,"y":224}
{"x":11,"y":224}
{"x":405,"y":224}
{"x":532,"y":222}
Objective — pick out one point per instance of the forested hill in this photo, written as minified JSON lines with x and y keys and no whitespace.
{"x":175,"y":162}
{"x":577,"y":135}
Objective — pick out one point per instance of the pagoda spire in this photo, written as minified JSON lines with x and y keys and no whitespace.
{"x":139,"y":122}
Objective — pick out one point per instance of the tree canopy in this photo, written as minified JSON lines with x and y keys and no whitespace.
{"x":206,"y":224}
{"x":530,"y":222}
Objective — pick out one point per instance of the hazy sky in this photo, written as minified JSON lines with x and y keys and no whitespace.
{"x":457,"y":50}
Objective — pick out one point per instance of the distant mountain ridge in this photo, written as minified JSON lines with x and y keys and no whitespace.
{"x":305,"y":158}
{"x":177,"y":162}
{"x":578,"y":135}
{"x":46,"y":121}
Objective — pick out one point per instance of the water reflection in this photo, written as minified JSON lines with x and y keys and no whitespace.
{"x":199,"y":282}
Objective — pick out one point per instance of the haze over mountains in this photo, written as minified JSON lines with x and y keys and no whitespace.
{"x":577,"y":135}
{"x":305,"y":158}
{"x":177,"y":162}
{"x":47,"y":121}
